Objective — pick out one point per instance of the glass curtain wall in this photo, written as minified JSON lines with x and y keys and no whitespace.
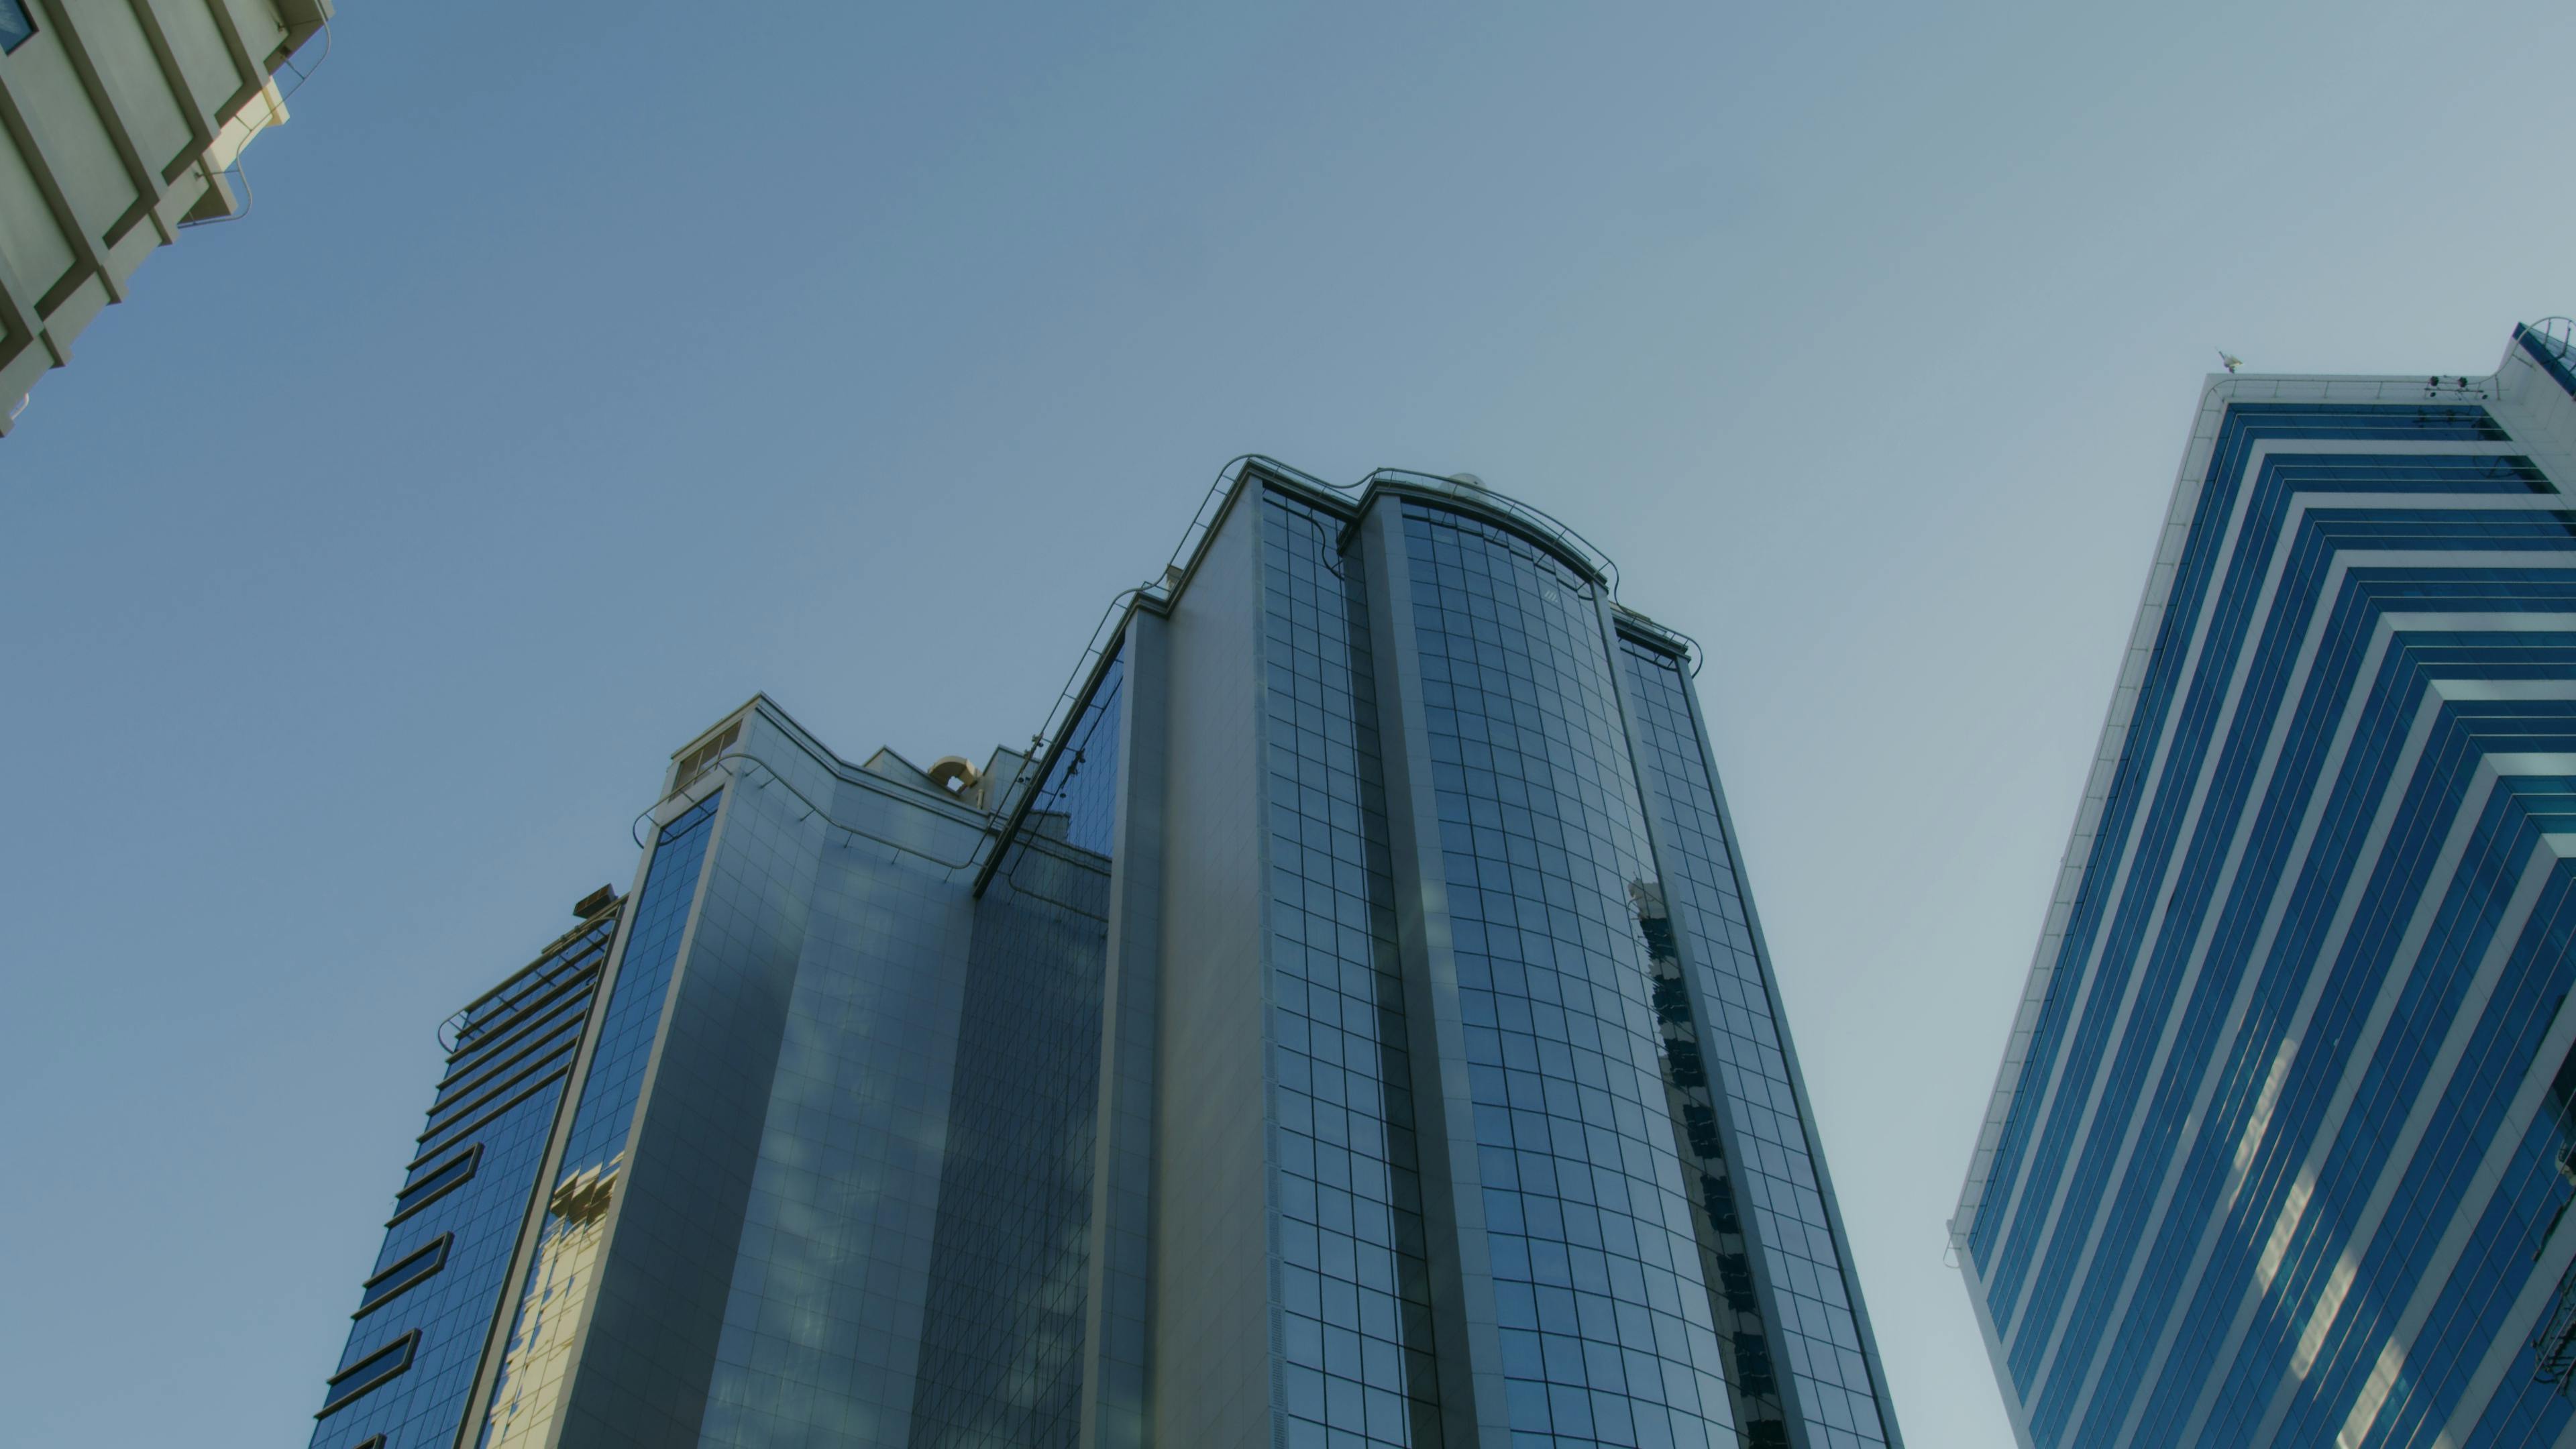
{"x":538,"y":1354}
{"x":1606,"y":1324}
{"x":1775,"y":1177}
{"x":1002,"y":1340}
{"x":1353,"y":1286}
{"x":428,"y":1305}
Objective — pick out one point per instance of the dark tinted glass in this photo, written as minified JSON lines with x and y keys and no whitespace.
{"x":405,"y":1274}
{"x":1001,"y":1355}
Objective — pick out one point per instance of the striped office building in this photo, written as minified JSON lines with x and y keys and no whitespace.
{"x":2280,"y":1152}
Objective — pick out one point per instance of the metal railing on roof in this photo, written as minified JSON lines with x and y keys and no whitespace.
{"x":1203,"y":521}
{"x":556,"y":962}
{"x":2551,"y":341}
{"x":734,"y":762}
{"x":1530,"y":516}
{"x":1176,"y":570}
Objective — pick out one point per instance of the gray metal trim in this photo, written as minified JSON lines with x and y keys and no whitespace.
{"x":2074,"y":863}
{"x":200,"y":124}
{"x":1119,"y":1291}
{"x":253,"y":74}
{"x":1215,"y":1266}
{"x":1138,"y":603}
{"x":145,"y":179}
{"x":1256,"y":575}
{"x":87,"y":261}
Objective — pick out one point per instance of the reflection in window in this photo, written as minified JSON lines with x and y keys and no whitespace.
{"x":536,"y":1370}
{"x":446,"y":1268}
{"x":606,"y":1111}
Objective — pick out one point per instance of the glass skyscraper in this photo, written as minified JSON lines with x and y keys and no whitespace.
{"x":1347,"y":1027}
{"x":2281,"y":1148}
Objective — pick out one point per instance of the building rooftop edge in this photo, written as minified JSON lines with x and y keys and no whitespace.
{"x":1349,"y":501}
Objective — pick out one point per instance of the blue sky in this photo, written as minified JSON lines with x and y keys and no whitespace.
{"x":582,"y":368}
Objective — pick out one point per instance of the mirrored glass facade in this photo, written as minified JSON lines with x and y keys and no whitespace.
{"x":1347,"y":1029}
{"x":1605,"y":1317}
{"x":852,"y":933}
{"x":1001,"y":1359}
{"x":1773,"y":1174}
{"x":1355,"y":1331}
{"x":439,"y":1280}
{"x":555,"y":1292}
{"x":2275,"y":1157}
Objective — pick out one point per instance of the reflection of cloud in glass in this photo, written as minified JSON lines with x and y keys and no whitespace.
{"x":535,"y":1370}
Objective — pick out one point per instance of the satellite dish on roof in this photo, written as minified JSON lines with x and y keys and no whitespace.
{"x":1468,"y":480}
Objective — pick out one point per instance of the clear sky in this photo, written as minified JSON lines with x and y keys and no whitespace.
{"x":583,"y":367}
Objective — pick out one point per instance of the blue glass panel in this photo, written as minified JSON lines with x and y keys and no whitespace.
{"x":2277,"y":487}
{"x":1002,"y":1335}
{"x":1547,"y":869}
{"x":2245,"y":428}
{"x":609,"y":1092}
{"x":1777,"y":1179}
{"x":369,"y":1373}
{"x":1356,"y":1331}
{"x":2551,"y":353}
{"x":443,"y":1267}
{"x":606,"y":1109}
{"x":2293,"y":945}
{"x":816,"y":1274}
{"x":405,"y":1274}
